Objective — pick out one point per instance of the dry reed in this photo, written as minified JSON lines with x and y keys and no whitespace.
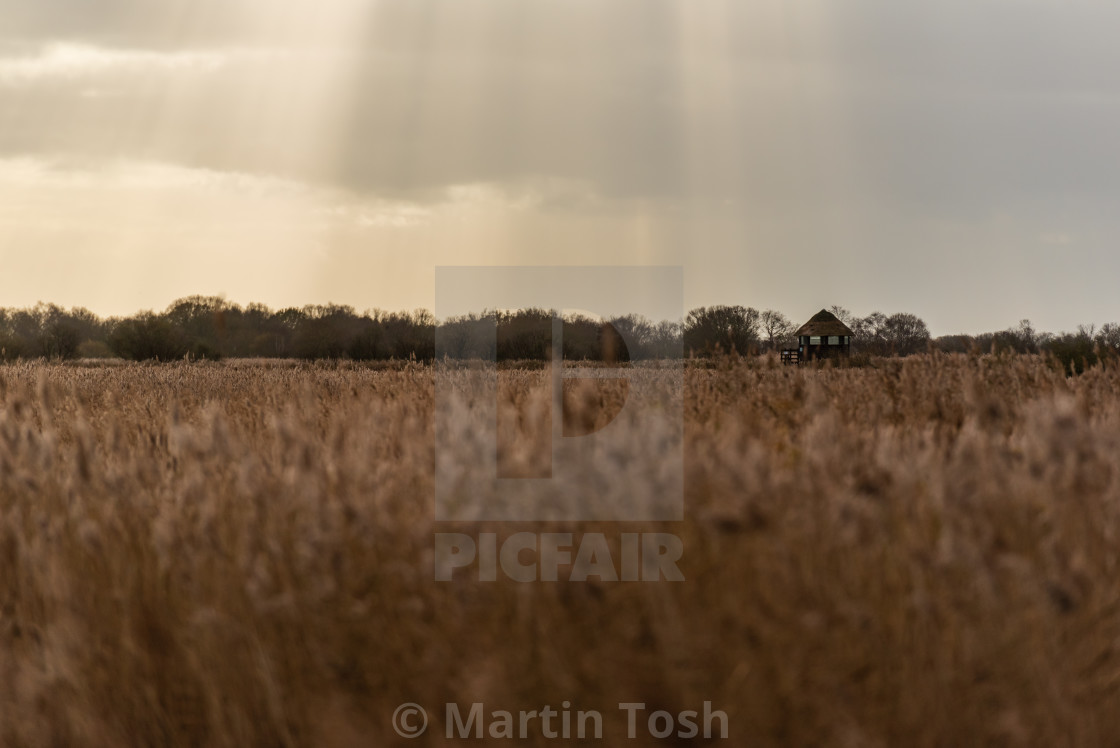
{"x":920,"y":554}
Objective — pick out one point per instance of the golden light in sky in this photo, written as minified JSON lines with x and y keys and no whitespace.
{"x":790,"y":157}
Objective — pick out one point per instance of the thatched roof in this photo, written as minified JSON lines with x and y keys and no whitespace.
{"x":823,"y":323}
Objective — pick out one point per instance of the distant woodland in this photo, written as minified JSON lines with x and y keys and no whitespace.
{"x":202,"y":327}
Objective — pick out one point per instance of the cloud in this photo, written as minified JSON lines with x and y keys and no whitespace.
{"x":184,"y":196}
{"x":893,"y":148}
{"x":70,"y":61}
{"x":63,"y":173}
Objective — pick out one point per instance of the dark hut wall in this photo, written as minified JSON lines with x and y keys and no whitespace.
{"x":822,"y":346}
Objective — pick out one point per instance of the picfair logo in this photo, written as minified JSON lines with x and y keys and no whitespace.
{"x":572,"y":441}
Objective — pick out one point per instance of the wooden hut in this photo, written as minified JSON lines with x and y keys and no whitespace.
{"x":823,"y":336}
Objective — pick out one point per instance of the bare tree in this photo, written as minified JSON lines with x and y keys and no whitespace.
{"x":905,"y":333}
{"x":1108,"y":338}
{"x":666,"y":340}
{"x":843,"y":315}
{"x":776,"y":327}
{"x":721,"y":328}
{"x":867,"y":332}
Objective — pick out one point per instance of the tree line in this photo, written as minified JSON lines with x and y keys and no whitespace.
{"x":206,"y":327}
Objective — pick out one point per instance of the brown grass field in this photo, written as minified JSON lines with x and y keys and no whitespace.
{"x":925,"y":552}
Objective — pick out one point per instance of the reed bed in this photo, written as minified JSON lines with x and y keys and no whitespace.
{"x":924,"y":552}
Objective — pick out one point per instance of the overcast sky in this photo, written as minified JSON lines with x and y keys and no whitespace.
{"x":958,"y":160}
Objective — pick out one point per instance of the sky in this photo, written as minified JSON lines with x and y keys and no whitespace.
{"x":957,"y":160}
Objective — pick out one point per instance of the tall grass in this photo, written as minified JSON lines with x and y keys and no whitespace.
{"x":921,"y":554}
